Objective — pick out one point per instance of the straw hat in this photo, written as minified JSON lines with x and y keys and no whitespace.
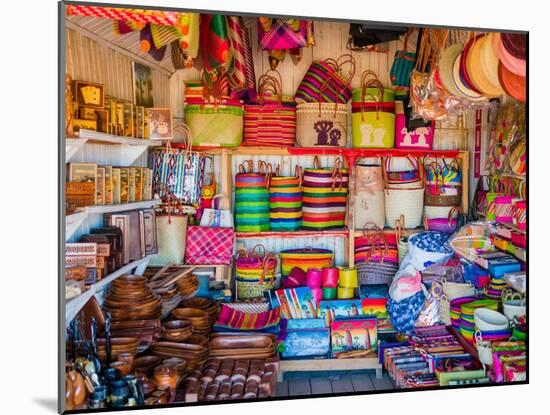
{"x":489,"y":61}
{"x":461,"y":86}
{"x":513,"y":84}
{"x":477,"y":73}
{"x":515,"y":44}
{"x":515,"y":65}
{"x":463,"y":69}
{"x":446,"y":68}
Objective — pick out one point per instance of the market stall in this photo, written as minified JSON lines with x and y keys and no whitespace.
{"x":252,"y":197}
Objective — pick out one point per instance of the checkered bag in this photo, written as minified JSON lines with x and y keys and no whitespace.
{"x":209,"y":246}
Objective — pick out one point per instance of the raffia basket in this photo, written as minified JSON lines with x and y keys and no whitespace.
{"x":321,"y":125}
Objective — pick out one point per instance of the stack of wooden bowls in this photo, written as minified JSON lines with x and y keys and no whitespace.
{"x":210,"y":306}
{"x":146,"y":331}
{"x":199,"y":319}
{"x":144,"y":365}
{"x":119,"y":345}
{"x":188,"y":286}
{"x":177,"y":330}
{"x":193,"y":354}
{"x":129,"y":298}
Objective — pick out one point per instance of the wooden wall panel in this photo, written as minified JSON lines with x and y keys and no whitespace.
{"x":90,"y":61}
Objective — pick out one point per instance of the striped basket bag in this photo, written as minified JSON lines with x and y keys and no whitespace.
{"x":285,"y":201}
{"x":443,"y":183}
{"x":376,"y":256}
{"x":328,"y":70}
{"x":254,"y":272}
{"x":251,"y":198}
{"x":271,"y":120}
{"x":325,"y":196}
{"x":305,"y":258}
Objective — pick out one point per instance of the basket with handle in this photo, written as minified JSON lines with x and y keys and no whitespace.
{"x":381,"y":261}
{"x":372,"y":114}
{"x":325,"y":192}
{"x":254,"y":272}
{"x":404,"y":197}
{"x":321,"y":123}
{"x":252,"y":197}
{"x":443,"y":183}
{"x":271,"y":120}
{"x":285,"y":201}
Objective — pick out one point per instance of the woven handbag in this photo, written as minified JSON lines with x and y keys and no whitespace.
{"x":443,"y":183}
{"x":254,"y":272}
{"x":376,"y":256}
{"x":402,"y":66}
{"x":285,"y":201}
{"x":209,"y":246}
{"x":252,"y":198}
{"x":369,"y":195}
{"x":404,"y":195}
{"x":451,"y":223}
{"x":372,"y":114}
{"x":271,"y":120}
{"x":328,"y":70}
{"x":325,"y":196}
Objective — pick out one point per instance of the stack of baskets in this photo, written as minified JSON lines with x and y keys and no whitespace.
{"x":255,"y":273}
{"x":305,"y":259}
{"x":251,"y":198}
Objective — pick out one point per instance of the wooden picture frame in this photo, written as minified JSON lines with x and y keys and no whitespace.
{"x":159,"y":123}
{"x":89,"y":94}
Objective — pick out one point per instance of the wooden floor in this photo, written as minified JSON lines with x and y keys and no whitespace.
{"x":307,"y":383}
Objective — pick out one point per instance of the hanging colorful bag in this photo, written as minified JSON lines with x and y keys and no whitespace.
{"x":325,"y":196}
{"x":372,"y":114}
{"x":252,"y":198}
{"x":327,"y":71}
{"x":254,"y":273}
{"x":377,"y":257}
{"x":281,"y":34}
{"x":446,"y":225}
{"x":285,"y":202}
{"x":402,"y":66}
{"x":178,"y":172}
{"x":403,"y":194}
{"x":420,"y":138}
{"x":271,"y":120}
{"x":305,"y":259}
{"x":369,"y":196}
{"x":209,"y":246}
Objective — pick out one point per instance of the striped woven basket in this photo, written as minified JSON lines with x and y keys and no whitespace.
{"x":285,"y":202}
{"x":325,"y":196}
{"x":251,"y":198}
{"x":254,"y":272}
{"x":305,"y":258}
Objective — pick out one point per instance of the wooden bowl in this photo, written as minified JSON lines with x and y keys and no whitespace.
{"x":146,"y":364}
{"x":177,"y":330}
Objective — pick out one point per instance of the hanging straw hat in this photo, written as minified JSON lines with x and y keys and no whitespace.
{"x":446,"y":68}
{"x":513,"y":64}
{"x":515,"y":44}
{"x":476,"y":72}
{"x":513,"y":84}
{"x":489,"y":62}
{"x":460,"y":84}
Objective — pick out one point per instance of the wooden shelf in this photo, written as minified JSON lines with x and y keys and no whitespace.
{"x":314,"y":365}
{"x":73,"y":306}
{"x":348,"y":152}
{"x":130,"y":149}
{"x":74,"y":220}
{"x":336,"y":233}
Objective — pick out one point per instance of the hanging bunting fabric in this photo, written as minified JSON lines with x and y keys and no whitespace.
{"x":125,"y":14}
{"x":147,"y":45}
{"x":214,"y":43}
{"x":123,"y":27}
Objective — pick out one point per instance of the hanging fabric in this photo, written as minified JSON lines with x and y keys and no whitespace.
{"x":241,"y":72}
{"x":214,"y":44}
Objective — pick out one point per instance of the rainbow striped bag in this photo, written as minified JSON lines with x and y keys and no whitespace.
{"x":285,"y":202}
{"x":305,"y":258}
{"x":251,"y":198}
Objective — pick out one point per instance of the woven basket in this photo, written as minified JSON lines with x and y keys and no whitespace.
{"x":249,"y":289}
{"x":369,"y":196}
{"x":251,"y":198}
{"x":321,"y":125}
{"x":215,"y":125}
{"x":305,"y":259}
{"x":285,"y":202}
{"x":406,"y":202}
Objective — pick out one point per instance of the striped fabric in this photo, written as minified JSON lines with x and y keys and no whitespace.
{"x":270,"y":123}
{"x":285,"y":203}
{"x":239,"y":320}
{"x":324,"y":198}
{"x":309,"y":89}
{"x":251,"y":202}
{"x":305,"y":259}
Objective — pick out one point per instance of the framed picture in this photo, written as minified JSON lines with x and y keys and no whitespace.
{"x":89,"y":94}
{"x":349,"y":335}
{"x":143,"y":85}
{"x":82,"y":172}
{"x":160,"y":123}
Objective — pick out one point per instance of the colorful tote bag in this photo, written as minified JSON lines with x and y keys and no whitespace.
{"x":443,"y":183}
{"x":252,"y":198}
{"x":372,"y":114}
{"x":402,"y":66}
{"x":420,"y":138}
{"x":254,"y":272}
{"x":325,"y":196}
{"x":376,"y":256}
{"x":285,"y":202}
{"x":271,"y":120}
{"x":327,"y":71}
{"x":282,"y":34}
